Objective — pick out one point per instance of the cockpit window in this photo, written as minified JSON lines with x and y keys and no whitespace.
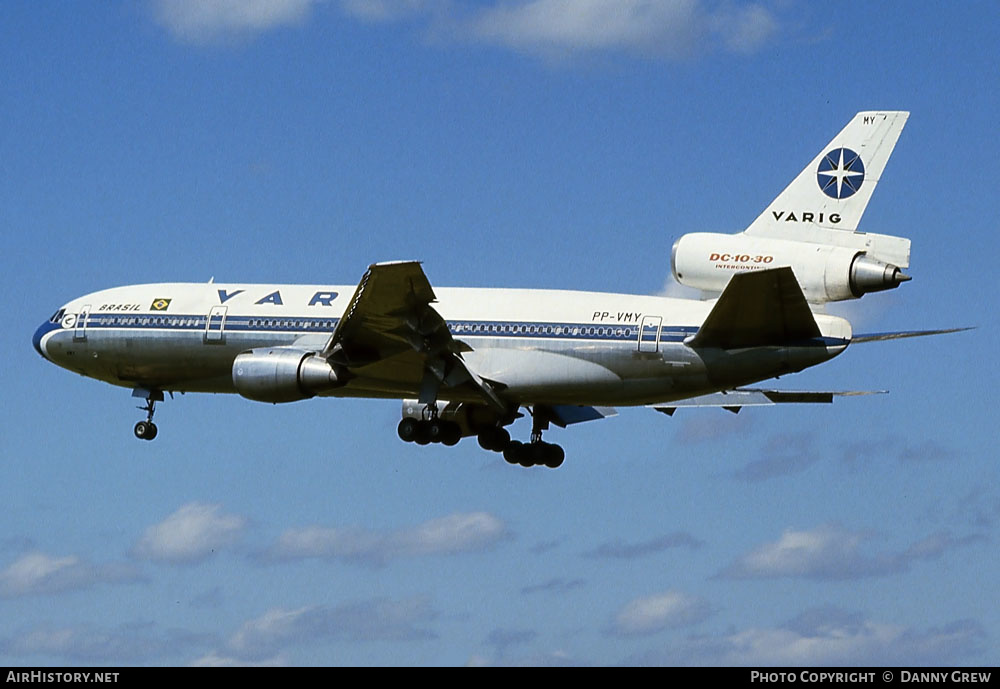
{"x":57,"y":316}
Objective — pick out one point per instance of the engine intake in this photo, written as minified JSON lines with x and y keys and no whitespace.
{"x":282,"y":374}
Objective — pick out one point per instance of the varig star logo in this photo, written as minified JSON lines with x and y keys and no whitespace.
{"x":840,"y":173}
{"x":160,"y":304}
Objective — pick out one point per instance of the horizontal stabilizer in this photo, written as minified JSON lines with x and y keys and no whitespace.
{"x":878,"y":337}
{"x":734,"y":400}
{"x":758,"y":309}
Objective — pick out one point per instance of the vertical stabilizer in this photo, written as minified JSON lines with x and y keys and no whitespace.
{"x":832,"y":192}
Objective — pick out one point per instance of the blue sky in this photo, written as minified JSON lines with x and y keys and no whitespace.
{"x":541,"y":143}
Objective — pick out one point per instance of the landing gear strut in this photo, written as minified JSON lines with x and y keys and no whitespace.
{"x":146,"y":430}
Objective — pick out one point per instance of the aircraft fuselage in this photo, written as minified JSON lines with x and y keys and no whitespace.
{"x":546,"y":346}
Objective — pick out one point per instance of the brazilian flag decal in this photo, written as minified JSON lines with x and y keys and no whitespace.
{"x":160,"y":304}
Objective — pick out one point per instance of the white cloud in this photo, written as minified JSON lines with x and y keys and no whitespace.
{"x":215,"y":660}
{"x":378,"y":620}
{"x":36,"y":573}
{"x":825,"y":637}
{"x":652,"y":614}
{"x":827,"y":552}
{"x":579,"y":25}
{"x":665,"y":28}
{"x":200,"y":21}
{"x":190,"y":534}
{"x":672,"y":28}
{"x":130,"y":643}
{"x":448,"y":535}
{"x":832,"y":552}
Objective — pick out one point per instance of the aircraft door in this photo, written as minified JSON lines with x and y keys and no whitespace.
{"x":80,"y":332}
{"x":215,"y":325}
{"x":649,"y":333}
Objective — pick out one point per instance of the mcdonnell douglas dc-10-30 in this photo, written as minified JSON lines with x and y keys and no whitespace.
{"x":466,"y":362}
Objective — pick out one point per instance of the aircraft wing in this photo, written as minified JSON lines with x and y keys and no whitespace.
{"x":879,"y":337}
{"x":736,"y":399}
{"x":390,"y":324}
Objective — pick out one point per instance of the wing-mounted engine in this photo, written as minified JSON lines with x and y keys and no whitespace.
{"x":848,"y":269}
{"x":284,"y":374}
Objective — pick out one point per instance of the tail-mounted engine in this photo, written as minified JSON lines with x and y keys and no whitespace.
{"x":826,"y":272}
{"x":283,"y":374}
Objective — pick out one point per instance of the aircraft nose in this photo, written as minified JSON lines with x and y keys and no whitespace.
{"x":42,"y":330}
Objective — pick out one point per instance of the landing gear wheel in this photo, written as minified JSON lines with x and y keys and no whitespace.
{"x":513,"y":452}
{"x":145,"y":430}
{"x":407,"y":430}
{"x":494,"y":439}
{"x":436,"y":430}
{"x":423,"y":436}
{"x":554,"y":456}
{"x":452,"y":434}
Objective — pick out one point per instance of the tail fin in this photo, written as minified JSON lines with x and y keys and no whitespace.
{"x":832,"y":192}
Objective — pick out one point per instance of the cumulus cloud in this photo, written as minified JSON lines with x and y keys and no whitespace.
{"x":456,"y":533}
{"x":200,"y":21}
{"x":832,"y":552}
{"x":191,"y":534}
{"x":660,"y":611}
{"x":825,"y":637}
{"x":618,"y":549}
{"x":37,"y":573}
{"x":265,"y":637}
{"x":670,"y":27}
{"x":132,"y":643}
{"x":663,"y":28}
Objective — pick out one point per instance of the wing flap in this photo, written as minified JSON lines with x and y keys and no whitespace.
{"x":736,"y":399}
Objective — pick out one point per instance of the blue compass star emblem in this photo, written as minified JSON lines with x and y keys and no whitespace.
{"x":840,"y":173}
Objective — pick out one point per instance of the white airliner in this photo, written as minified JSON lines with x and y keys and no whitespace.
{"x":466,"y":361}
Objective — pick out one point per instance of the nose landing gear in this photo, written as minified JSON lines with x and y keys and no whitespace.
{"x":146,"y":430}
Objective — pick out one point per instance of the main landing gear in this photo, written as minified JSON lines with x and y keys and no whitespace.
{"x":537,"y":452}
{"x":146,"y":430}
{"x":429,"y":430}
{"x":534,"y":453}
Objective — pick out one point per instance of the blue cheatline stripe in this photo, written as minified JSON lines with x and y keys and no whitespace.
{"x":303,"y":325}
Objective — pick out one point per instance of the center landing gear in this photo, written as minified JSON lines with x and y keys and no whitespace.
{"x":146,"y":430}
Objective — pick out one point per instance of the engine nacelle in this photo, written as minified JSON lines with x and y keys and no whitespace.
{"x":283,"y":374}
{"x":707,"y":261}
